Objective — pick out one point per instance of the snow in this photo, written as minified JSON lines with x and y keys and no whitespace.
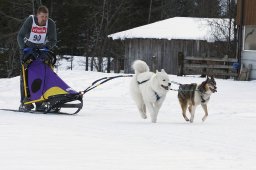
{"x":186,"y":28}
{"x":78,"y":63}
{"x":109,"y":134}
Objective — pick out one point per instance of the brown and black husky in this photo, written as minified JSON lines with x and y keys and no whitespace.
{"x":191,"y":95}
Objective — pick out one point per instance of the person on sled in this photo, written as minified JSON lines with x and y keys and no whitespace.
{"x":38,"y":31}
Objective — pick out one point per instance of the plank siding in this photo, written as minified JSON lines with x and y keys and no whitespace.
{"x":249,"y":12}
{"x":165,"y":52}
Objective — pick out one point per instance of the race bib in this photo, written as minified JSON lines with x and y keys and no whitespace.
{"x":38,"y":33}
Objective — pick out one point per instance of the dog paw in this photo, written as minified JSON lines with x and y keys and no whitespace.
{"x":204,"y":118}
{"x":191,"y":121}
{"x":186,"y":119}
{"x":153,"y":120}
{"x":143,"y":116}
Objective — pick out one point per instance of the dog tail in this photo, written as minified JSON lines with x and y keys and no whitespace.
{"x":140,"y":66}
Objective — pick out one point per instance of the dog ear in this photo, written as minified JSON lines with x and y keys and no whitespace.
{"x":207,"y":77}
{"x":163,"y":71}
{"x":156,"y":71}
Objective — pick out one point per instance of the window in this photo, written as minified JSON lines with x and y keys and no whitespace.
{"x":250,"y":37}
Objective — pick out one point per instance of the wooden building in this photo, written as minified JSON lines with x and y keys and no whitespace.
{"x":159,"y":43}
{"x":246,"y":22}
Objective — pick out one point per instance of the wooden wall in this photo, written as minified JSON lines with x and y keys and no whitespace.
{"x":159,"y":53}
{"x":249,"y":12}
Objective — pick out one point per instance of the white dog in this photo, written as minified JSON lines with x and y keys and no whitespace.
{"x":148,"y":89}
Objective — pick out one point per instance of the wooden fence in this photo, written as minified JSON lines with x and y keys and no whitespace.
{"x":219,"y":67}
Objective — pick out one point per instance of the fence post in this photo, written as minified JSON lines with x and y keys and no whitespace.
{"x":154,"y":63}
{"x":180,"y":64}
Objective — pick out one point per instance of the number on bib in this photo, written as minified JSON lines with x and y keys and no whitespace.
{"x":37,"y":37}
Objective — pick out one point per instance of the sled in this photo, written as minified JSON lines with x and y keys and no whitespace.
{"x":43,"y":85}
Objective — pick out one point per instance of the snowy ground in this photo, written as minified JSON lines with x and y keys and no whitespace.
{"x":108,"y":134}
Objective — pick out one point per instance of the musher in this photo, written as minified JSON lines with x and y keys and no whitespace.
{"x":38,"y":31}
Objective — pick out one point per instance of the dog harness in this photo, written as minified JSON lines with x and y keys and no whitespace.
{"x":202,"y":97}
{"x":157,"y":96}
{"x":142,"y":81}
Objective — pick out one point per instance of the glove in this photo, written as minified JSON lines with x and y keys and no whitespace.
{"x":27,"y":55}
{"x":27,"y":51}
{"x":33,"y":45}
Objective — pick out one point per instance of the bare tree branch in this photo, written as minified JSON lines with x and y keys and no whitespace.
{"x":8,"y":35}
{"x":10,"y":17}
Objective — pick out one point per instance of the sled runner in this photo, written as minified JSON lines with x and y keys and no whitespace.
{"x":43,"y":85}
{"x":38,"y":112}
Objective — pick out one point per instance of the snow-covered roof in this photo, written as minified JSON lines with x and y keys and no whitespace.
{"x":209,"y":29}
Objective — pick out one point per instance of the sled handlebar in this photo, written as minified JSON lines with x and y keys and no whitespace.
{"x":34,"y":53}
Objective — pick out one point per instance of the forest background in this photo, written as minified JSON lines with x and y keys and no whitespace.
{"x":83,"y":25}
